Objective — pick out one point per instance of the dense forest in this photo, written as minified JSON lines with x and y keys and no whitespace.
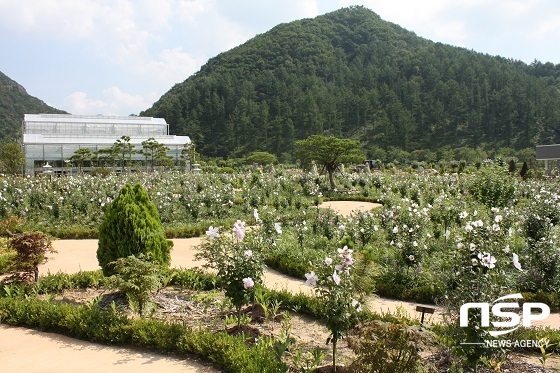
{"x":14,"y":103}
{"x":351,"y":74}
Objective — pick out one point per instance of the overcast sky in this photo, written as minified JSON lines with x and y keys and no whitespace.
{"x":117,"y":57}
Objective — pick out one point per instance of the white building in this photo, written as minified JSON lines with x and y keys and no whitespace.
{"x":51,"y":139}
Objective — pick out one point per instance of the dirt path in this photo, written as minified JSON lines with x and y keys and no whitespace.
{"x":28,"y":350}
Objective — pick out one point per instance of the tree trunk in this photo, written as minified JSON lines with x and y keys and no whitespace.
{"x":331,"y":179}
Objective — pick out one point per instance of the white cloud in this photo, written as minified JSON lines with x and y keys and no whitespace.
{"x":113,"y":102}
{"x":172,"y":66}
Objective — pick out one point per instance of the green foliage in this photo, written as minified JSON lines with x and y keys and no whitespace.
{"x":261,"y":158}
{"x":238,"y":261}
{"x":12,"y":158}
{"x":493,"y":187}
{"x":334,"y":288}
{"x":328,"y":152}
{"x":351,"y":74}
{"x":131,"y":227}
{"x":16,"y":102}
{"x":90,"y":322}
{"x":386,"y":347}
{"x":137,"y":277}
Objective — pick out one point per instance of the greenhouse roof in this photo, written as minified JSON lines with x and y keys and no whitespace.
{"x":68,"y":118}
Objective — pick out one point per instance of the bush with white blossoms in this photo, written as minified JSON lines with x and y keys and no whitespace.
{"x":237,"y":260}
{"x":333,"y":286}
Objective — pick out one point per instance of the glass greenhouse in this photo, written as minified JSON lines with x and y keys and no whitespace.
{"x":50,"y":141}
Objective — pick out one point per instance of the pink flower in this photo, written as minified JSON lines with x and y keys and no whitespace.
{"x":248,"y":283}
{"x":248,"y":254}
{"x":328,"y":261}
{"x":239,"y":229}
{"x":311,"y":278}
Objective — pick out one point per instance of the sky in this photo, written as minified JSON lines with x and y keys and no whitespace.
{"x":117,"y":57}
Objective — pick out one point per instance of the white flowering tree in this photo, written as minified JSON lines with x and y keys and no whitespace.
{"x":237,"y":260}
{"x":485,"y":269}
{"x":333,"y":286}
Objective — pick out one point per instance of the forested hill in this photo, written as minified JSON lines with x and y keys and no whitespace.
{"x":351,"y":74}
{"x":14,"y":103}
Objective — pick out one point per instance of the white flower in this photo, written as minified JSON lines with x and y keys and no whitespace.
{"x":336,"y":278}
{"x":278,"y":228}
{"x":356,"y":305}
{"x":460,"y":245}
{"x":487,"y":260}
{"x":498,"y":218}
{"x":516,"y":263}
{"x":472,"y":246}
{"x":248,"y":254}
{"x":212,"y":233}
{"x":396,"y":230}
{"x":328,"y":261}
{"x":411,"y":258}
{"x":256,"y":214}
{"x":463,"y":214}
{"x":469,"y":228}
{"x":311,"y":278}
{"x":248,"y":282}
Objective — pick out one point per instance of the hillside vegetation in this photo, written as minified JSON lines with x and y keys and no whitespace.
{"x":351,"y":74}
{"x":14,"y":103}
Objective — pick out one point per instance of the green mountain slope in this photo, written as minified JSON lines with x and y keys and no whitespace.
{"x":14,"y":103}
{"x":349,"y":73}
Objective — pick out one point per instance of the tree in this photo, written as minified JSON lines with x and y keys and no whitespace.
{"x":524,"y":173}
{"x":132,"y":226}
{"x":80,"y":156}
{"x":261,"y":158}
{"x":31,"y":249}
{"x":12,"y":158}
{"x":125,"y":149}
{"x":189,"y":154}
{"x":156,"y":153}
{"x":330,"y":152}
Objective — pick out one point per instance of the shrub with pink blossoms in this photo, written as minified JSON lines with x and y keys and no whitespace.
{"x":237,"y":260}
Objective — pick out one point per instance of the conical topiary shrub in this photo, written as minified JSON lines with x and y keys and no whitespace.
{"x":131,"y":227}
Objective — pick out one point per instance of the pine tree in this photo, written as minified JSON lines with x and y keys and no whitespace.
{"x":512,"y":166}
{"x":132,"y":226}
{"x":524,"y":171}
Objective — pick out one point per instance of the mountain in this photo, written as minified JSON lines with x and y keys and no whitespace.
{"x":350,"y":74}
{"x":14,"y":103}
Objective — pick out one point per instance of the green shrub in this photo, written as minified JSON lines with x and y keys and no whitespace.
{"x":137,"y":278}
{"x":90,"y":323}
{"x":132,"y":226}
{"x":388,"y":347}
{"x":493,"y":187}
